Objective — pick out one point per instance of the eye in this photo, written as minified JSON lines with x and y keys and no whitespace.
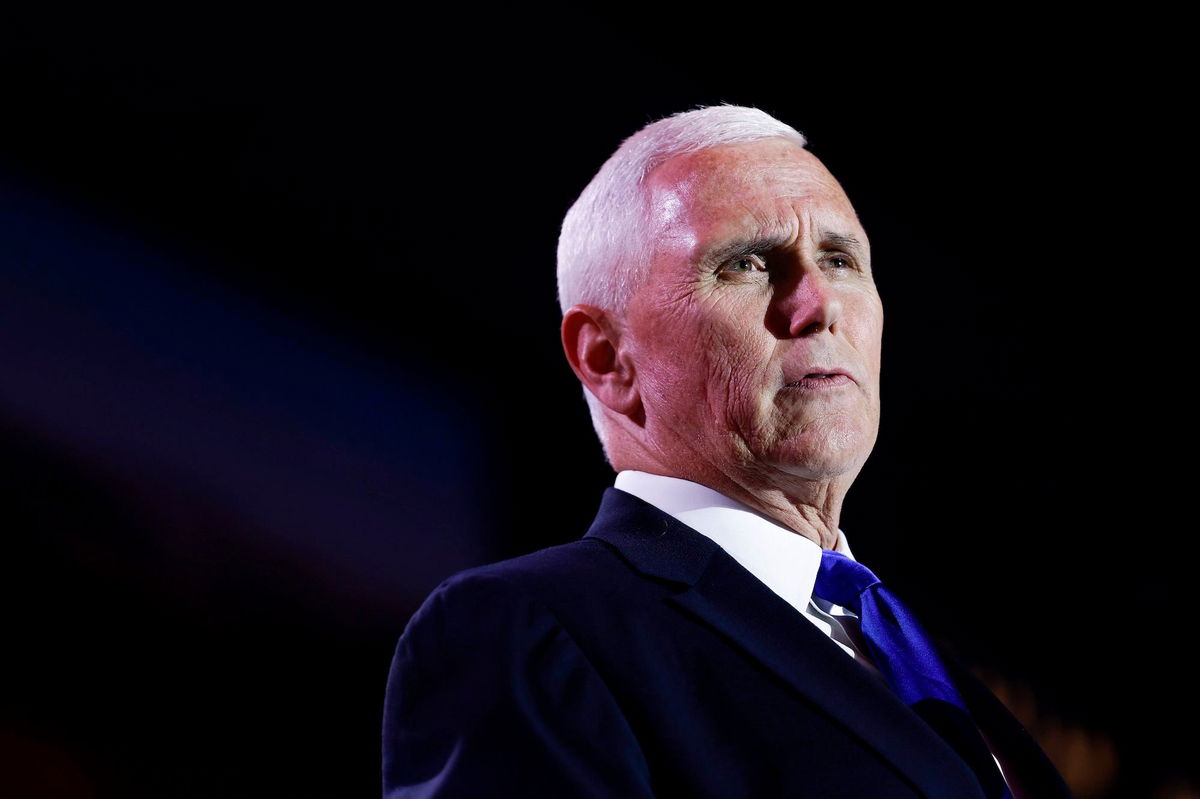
{"x":744,"y":265}
{"x":841,"y":262}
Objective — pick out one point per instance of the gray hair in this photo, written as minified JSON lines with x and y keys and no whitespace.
{"x":604,"y":248}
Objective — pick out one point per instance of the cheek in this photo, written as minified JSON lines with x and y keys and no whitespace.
{"x":739,"y":353}
{"x":675,"y":367}
{"x":742,"y":372}
{"x":709,"y":361}
{"x":866,"y":331}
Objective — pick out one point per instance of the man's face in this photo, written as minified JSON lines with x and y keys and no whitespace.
{"x":756,"y":336}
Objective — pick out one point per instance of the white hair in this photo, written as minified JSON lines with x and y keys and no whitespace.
{"x":604,"y":248}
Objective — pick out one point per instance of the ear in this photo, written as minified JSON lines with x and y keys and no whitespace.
{"x":591,"y":339}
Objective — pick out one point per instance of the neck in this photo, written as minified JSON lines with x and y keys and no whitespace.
{"x":810,"y":508}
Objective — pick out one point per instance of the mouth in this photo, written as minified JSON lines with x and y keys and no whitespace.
{"x":815,"y":381}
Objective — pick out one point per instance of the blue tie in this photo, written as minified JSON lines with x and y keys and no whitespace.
{"x":906,"y":657}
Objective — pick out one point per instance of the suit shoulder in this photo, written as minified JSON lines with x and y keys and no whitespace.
{"x":545,"y":572}
{"x":489,"y":691}
{"x":570,"y":585}
{"x":498,"y":612}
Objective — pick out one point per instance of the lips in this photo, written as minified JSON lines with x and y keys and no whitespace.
{"x":821,"y":378}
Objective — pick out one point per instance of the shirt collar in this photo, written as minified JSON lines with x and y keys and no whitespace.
{"x":783,"y":560}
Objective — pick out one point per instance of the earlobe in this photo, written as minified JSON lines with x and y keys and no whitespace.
{"x":591,"y":340}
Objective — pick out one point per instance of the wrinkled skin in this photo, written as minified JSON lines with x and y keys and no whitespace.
{"x":761,"y":281}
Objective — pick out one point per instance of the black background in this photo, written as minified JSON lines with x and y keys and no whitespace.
{"x":279,"y":353}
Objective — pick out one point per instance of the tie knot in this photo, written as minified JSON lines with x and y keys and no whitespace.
{"x":842,"y":580}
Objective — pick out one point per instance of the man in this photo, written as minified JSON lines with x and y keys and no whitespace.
{"x":720,"y":311}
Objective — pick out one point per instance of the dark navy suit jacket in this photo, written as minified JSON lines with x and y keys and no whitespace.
{"x":643,"y":661}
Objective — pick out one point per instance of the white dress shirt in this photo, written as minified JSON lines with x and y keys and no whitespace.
{"x":782,"y":559}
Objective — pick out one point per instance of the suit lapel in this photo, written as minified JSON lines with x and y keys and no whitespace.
{"x":719,"y":592}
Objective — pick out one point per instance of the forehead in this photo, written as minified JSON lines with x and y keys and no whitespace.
{"x":771,"y":186}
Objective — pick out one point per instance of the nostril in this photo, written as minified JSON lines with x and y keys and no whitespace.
{"x":811,"y":328}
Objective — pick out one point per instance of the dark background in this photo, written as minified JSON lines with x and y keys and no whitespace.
{"x":278,"y":353}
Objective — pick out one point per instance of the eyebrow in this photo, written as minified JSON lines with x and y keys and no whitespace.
{"x":741,"y":247}
{"x":760,"y":244}
{"x":845,"y":241}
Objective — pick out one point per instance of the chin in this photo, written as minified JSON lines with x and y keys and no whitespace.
{"x":822,"y":454}
{"x":819,"y":469}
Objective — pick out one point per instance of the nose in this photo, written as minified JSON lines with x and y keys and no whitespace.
{"x":807,"y":304}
